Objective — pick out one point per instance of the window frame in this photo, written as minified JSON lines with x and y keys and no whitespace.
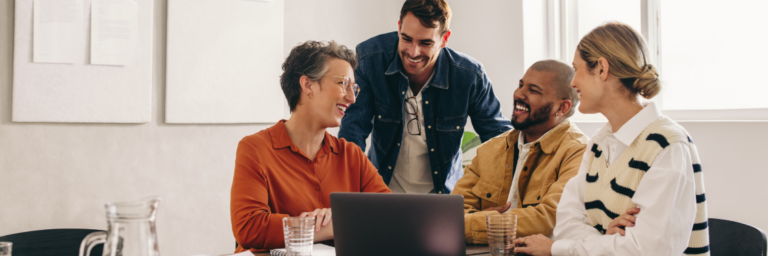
{"x":562,"y":35}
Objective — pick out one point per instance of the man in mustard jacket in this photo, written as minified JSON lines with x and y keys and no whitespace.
{"x":524,"y":171}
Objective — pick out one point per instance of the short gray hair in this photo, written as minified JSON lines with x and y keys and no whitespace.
{"x":309,"y":59}
{"x":562,"y":81}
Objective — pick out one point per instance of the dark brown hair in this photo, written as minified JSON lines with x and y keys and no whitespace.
{"x":309,"y":59}
{"x":429,"y":11}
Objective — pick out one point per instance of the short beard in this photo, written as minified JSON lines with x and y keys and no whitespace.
{"x":538,"y":117}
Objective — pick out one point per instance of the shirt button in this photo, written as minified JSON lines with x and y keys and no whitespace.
{"x":317,"y":188}
{"x":426,"y":102}
{"x":398,"y":144}
{"x":515,"y":197}
{"x":439,"y":192}
{"x":432,"y":149}
{"x":435,"y":173}
{"x":403,"y":92}
{"x":379,"y":117}
{"x":525,"y":168}
{"x":488,"y":195}
{"x":390,"y":167}
{"x":457,"y":127}
{"x":538,"y":198}
{"x":507,"y":166}
{"x":309,"y":161}
{"x":429,"y":127}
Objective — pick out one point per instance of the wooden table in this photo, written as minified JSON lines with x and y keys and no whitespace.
{"x":472,"y":249}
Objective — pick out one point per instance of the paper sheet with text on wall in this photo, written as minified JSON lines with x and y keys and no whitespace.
{"x":114,"y":32}
{"x":57,"y":29}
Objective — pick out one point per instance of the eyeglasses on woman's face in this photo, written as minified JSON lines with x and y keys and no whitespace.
{"x":346,"y":84}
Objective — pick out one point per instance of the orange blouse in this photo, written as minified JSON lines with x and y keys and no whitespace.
{"x":274,"y":179}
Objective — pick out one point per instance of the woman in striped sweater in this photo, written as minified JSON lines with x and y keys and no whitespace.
{"x":640,"y":189}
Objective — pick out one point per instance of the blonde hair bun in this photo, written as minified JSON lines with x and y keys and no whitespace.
{"x":627,"y":55}
{"x":647,"y":83}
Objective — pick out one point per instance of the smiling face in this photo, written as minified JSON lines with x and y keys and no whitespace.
{"x":535,"y":99}
{"x":588,"y":85}
{"x":419,"y":46}
{"x":329,"y":100}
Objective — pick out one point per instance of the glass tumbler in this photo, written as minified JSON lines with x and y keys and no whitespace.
{"x":5,"y":248}
{"x":502,"y":230}
{"x":299,"y":235}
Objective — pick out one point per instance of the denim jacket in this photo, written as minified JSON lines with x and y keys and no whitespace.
{"x":459,"y":89}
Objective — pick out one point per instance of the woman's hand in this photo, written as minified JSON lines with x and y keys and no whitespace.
{"x":322,"y":217}
{"x":535,"y":245}
{"x":625,"y":220}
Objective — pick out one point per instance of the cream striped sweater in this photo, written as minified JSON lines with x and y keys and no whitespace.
{"x":609,"y":189}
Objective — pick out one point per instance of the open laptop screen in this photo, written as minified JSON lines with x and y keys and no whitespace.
{"x":398,"y":224}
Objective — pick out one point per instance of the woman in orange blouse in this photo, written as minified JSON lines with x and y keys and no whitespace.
{"x":291,"y":168}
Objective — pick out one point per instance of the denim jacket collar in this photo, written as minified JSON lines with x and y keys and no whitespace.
{"x":440,"y":80}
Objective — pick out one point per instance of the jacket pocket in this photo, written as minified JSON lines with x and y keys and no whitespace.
{"x":533,"y":197}
{"x":386,"y":122}
{"x":449,"y":132}
{"x":487,"y":192}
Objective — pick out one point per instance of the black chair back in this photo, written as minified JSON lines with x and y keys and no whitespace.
{"x":50,"y":242}
{"x":735,"y":239}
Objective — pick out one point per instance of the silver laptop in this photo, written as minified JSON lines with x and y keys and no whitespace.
{"x":398,"y":224}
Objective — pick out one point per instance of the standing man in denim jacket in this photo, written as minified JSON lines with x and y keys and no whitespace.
{"x":416,"y":95}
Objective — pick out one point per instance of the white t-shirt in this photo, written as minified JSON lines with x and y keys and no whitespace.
{"x":412,"y":171}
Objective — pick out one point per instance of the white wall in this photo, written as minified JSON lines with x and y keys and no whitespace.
{"x":60,"y":175}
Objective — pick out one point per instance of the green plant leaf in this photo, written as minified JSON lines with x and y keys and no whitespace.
{"x":467,"y":137}
{"x":470,"y":141}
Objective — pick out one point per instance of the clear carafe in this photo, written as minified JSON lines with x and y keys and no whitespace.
{"x":131,"y":230}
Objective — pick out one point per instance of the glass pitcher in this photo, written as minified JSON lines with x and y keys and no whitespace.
{"x":130,"y":230}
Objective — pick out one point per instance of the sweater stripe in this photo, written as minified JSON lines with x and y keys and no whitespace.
{"x":658,"y":138}
{"x":643,"y":166}
{"x":622,"y":190}
{"x":597,"y":204}
{"x":597,"y":152}
{"x":697,"y":250}
{"x":600,"y":229}
{"x":700,"y":226}
{"x":696,"y":168}
{"x":700,"y":198}
{"x":592,"y":179}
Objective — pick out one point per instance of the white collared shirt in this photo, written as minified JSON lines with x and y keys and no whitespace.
{"x":522,"y":156}
{"x":666,"y":197}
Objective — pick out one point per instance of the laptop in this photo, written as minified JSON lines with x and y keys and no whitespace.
{"x":398,"y":224}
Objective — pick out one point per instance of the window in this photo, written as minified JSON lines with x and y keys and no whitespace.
{"x":711,"y":54}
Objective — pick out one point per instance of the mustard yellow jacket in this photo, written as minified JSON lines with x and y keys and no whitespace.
{"x":551,"y":162}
